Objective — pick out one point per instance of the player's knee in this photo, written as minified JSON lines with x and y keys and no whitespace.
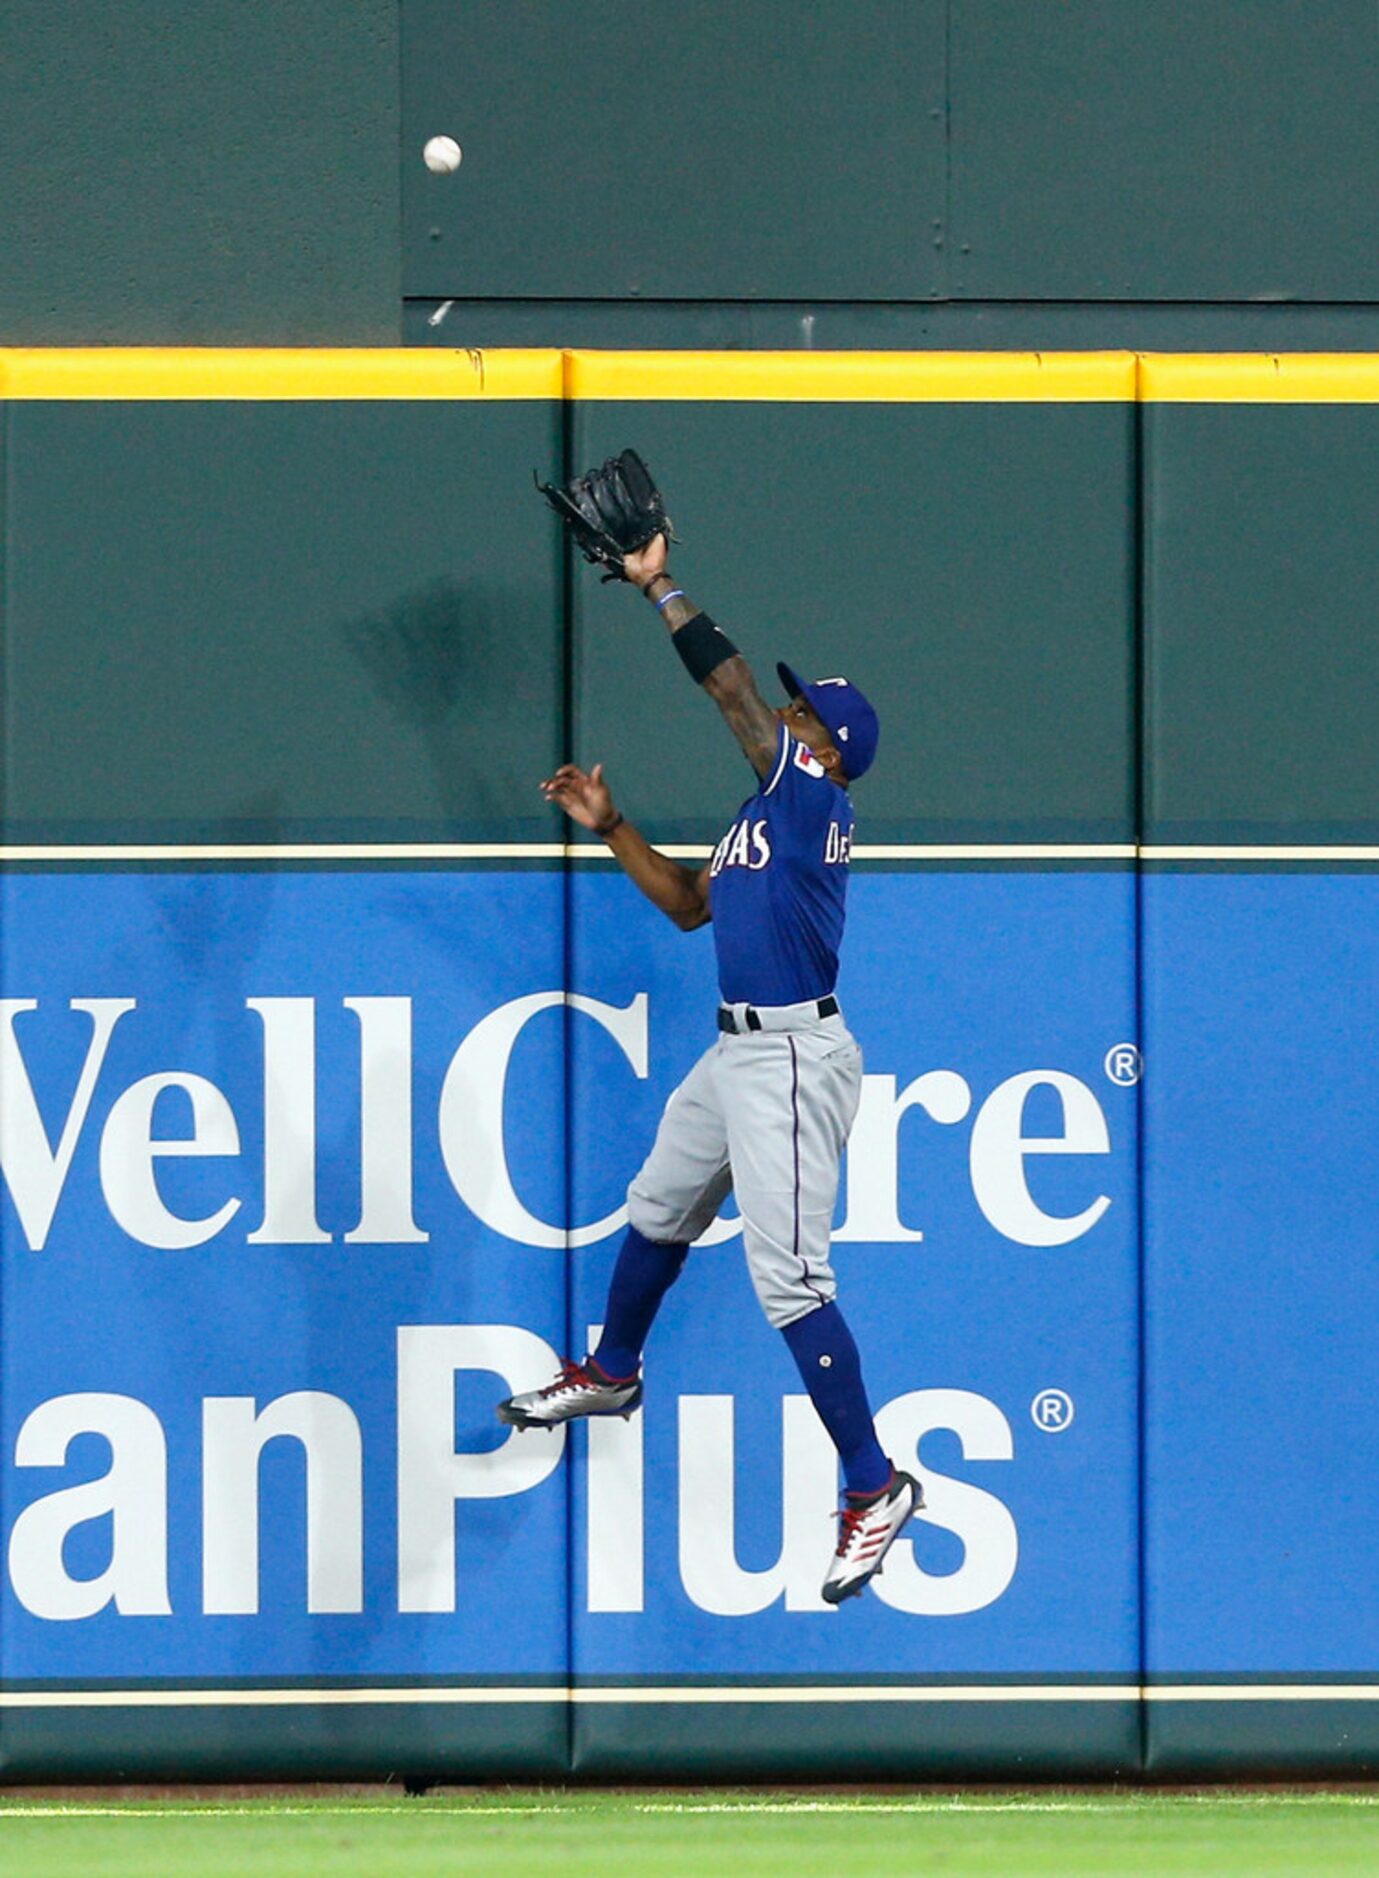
{"x":783,"y":1301}
{"x":653,"y":1218}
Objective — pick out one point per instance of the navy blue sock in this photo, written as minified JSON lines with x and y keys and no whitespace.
{"x":642,"y":1276}
{"x":827,"y":1359}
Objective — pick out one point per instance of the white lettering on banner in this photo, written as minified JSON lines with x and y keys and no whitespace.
{"x":133,"y":1493}
{"x":470,"y":1123}
{"x":129,"y":1150}
{"x":991,"y":1544}
{"x":999,"y":1148}
{"x":434,"y":1479}
{"x":232,"y":1438}
{"x":431,"y":1476}
{"x":873,"y":1176}
{"x":289,"y":1123}
{"x":614,"y":1538}
{"x":35,"y":1174}
{"x":385,"y":1123}
{"x":708,"y":1554}
{"x":471,"y":1114}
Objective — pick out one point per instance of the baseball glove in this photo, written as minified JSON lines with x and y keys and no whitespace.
{"x":611,"y":512}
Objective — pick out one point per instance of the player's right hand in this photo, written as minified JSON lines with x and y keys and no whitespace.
{"x":586,"y":799}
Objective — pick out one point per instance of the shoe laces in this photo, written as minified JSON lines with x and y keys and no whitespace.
{"x":849,"y":1519}
{"x":572,"y":1376}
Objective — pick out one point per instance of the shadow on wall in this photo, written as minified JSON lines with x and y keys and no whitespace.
{"x":455,"y":662}
{"x":415,"y":650}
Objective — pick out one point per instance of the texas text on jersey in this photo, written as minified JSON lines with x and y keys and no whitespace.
{"x":778,"y":884}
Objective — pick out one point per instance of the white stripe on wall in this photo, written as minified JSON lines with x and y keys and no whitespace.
{"x":687,"y":1696}
{"x":31,"y":854}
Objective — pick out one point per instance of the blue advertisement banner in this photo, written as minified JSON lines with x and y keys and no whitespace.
{"x":1261,"y":1275}
{"x":251,"y":1131}
{"x":304,"y":1171}
{"x":987,"y":1255}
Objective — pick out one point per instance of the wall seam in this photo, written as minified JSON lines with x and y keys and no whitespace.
{"x":567,"y":693}
{"x":1139,"y":746}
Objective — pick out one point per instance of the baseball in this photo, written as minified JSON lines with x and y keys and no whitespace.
{"x":442,"y":155}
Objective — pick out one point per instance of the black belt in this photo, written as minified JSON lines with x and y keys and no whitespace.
{"x":751,"y":1019}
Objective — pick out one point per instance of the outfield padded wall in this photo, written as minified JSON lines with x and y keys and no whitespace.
{"x":247,"y":600}
{"x":416,"y":1045}
{"x":836,"y":510}
{"x":1259,"y":960}
{"x":276,"y":659}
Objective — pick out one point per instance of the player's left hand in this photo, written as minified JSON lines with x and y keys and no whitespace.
{"x":614,"y":514}
{"x":648,"y":563}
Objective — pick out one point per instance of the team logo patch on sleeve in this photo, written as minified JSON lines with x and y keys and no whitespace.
{"x":806,"y":760}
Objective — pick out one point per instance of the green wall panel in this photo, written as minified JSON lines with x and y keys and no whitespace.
{"x":969,"y":564}
{"x":1261,"y":566}
{"x":926,"y":326}
{"x":248,"y":1741}
{"x":858,"y":1741}
{"x":1219,"y":151}
{"x":199,"y":174}
{"x":245,"y":620}
{"x":1257,"y":962}
{"x":658,"y":149}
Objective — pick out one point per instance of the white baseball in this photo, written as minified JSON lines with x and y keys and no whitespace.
{"x":442,"y":154}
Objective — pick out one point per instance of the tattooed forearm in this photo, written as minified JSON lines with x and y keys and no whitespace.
{"x":748,"y":716}
{"x":728,"y":680}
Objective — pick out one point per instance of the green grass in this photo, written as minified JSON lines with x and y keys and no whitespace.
{"x":521,"y":1833}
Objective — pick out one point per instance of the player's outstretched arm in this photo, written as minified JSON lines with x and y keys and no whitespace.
{"x":712,"y":658}
{"x":682,"y":893}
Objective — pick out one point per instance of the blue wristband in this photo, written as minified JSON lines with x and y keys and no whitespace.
{"x":676,"y":593}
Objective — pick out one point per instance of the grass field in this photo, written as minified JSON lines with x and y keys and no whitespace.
{"x":523,"y":1833}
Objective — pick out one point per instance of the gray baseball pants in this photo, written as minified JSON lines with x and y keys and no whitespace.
{"x":765,"y":1114}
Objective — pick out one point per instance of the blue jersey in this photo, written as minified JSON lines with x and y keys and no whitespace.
{"x":778,"y":884}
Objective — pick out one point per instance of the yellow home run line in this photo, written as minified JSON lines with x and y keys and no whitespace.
{"x":1258,"y":378}
{"x":852,"y":377}
{"x":211,"y":373}
{"x":153,"y":373}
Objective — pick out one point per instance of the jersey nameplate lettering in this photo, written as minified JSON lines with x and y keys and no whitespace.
{"x":837,"y":847}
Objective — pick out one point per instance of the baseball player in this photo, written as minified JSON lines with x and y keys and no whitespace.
{"x":767,"y":1109}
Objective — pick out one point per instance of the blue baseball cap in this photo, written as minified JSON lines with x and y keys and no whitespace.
{"x":847,"y":715}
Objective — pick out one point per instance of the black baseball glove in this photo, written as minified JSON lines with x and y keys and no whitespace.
{"x":611,"y":512}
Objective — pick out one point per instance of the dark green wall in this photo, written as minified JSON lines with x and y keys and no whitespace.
{"x":970,"y":565}
{"x":198,"y":175}
{"x":1262,"y":665}
{"x":241,"y":620}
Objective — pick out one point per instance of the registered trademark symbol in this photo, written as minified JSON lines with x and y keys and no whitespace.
{"x":1124,"y":1064}
{"x":1052,"y":1410}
